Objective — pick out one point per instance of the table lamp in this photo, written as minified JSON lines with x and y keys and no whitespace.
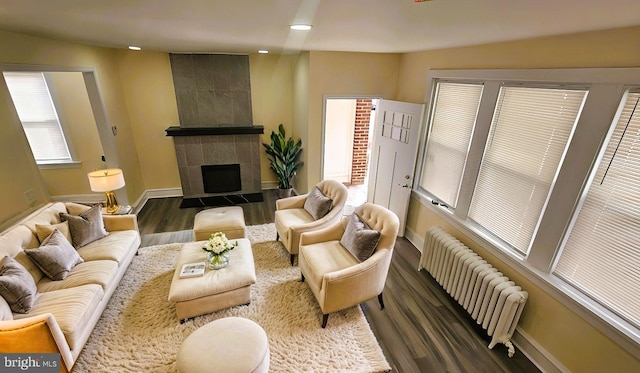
{"x":107,"y":181}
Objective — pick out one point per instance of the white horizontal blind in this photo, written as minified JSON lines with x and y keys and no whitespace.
{"x":529,"y":133}
{"x":35,"y":108}
{"x":602,"y":253}
{"x":454,"y":116}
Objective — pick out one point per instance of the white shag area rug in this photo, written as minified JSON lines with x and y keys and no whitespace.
{"x":139,"y":330}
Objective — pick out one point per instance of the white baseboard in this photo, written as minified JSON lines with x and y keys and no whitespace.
{"x":536,"y":353}
{"x":137,"y":205}
{"x":414,"y":238}
{"x":155,"y":193}
{"x":269,"y":185}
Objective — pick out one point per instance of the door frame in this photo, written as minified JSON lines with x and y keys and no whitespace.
{"x":324,"y":120}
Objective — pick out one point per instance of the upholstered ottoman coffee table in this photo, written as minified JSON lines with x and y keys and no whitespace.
{"x":216,"y":289}
{"x":228,"y":220}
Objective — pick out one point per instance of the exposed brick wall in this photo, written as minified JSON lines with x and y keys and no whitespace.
{"x":361,"y":141}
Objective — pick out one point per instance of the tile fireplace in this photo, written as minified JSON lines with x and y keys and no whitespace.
{"x":217,"y":146}
{"x":234,"y":152}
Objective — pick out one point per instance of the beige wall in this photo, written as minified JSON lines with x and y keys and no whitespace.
{"x":76,"y":116}
{"x":271,"y":100}
{"x":17,"y":168}
{"x":337,"y":73}
{"x":564,"y":334}
{"x":301,"y":113}
{"x":151,"y":106}
{"x":610,"y":48}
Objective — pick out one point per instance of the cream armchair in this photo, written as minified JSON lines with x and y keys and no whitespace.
{"x":292,"y":219}
{"x":336,"y":277}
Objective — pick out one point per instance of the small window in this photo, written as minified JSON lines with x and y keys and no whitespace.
{"x":454,"y":116}
{"x":38,"y":116}
{"x":529,"y":133}
{"x":603,"y":240}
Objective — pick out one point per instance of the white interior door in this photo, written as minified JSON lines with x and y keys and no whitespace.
{"x":340,"y":116}
{"x":393,"y":159}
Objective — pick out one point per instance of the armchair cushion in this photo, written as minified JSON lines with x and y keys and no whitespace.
{"x":360,"y":240}
{"x":325,"y":257}
{"x":317,"y":204}
{"x":86,"y":227}
{"x":292,"y":218}
{"x":16,"y":285}
{"x":55,"y":257}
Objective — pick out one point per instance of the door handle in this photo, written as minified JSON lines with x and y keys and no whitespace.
{"x":407,"y":177}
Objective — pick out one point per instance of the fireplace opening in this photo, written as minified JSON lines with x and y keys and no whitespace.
{"x":221,"y":178}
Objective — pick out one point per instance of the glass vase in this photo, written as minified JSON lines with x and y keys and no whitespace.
{"x":217,"y":261}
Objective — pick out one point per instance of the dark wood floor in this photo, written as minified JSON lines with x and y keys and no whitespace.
{"x":421,"y":328}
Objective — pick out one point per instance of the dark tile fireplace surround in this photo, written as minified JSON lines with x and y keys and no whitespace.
{"x":198,"y":147}
{"x":218,"y":153}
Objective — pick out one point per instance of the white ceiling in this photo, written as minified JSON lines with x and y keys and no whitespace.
{"x":244,"y":26}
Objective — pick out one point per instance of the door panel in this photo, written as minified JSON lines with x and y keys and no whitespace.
{"x":395,"y":147}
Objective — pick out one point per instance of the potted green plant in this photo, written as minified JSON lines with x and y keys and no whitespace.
{"x":284,"y":158}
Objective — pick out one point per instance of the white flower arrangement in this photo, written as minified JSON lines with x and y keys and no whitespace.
{"x":219,"y":244}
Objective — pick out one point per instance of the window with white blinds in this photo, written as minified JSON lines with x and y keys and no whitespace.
{"x":453,"y":118}
{"x":601,"y":255}
{"x":37,"y":113}
{"x":529,"y":133}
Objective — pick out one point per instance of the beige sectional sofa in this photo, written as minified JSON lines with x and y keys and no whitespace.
{"x":64,"y":312}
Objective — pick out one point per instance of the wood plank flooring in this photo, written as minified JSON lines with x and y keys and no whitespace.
{"x":421,"y":328}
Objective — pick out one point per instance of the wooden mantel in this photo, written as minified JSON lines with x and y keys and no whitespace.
{"x":215,"y":131}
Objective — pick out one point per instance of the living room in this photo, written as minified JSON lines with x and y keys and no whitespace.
{"x":138,"y":93}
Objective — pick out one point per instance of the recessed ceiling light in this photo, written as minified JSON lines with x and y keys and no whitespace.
{"x":134,"y":48}
{"x":263,"y":51}
{"x":300,"y":27}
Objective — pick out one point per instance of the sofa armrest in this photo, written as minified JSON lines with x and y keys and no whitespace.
{"x":40,"y":333}
{"x":120,"y":222}
{"x":295,"y":202}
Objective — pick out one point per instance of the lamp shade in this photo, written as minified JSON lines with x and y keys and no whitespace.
{"x":106,"y":180}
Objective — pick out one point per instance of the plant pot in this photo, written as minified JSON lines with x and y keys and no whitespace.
{"x":285,"y":193}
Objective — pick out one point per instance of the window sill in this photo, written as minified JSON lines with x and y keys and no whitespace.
{"x":614,"y":327}
{"x":59,"y":165}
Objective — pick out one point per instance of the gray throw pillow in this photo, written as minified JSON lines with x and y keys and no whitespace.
{"x":360,"y":240}
{"x":317,"y":204}
{"x":55,"y":257}
{"x":86,"y":227}
{"x":16,"y":285}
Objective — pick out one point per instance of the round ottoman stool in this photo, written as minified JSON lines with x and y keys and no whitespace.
{"x":231,"y":344}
